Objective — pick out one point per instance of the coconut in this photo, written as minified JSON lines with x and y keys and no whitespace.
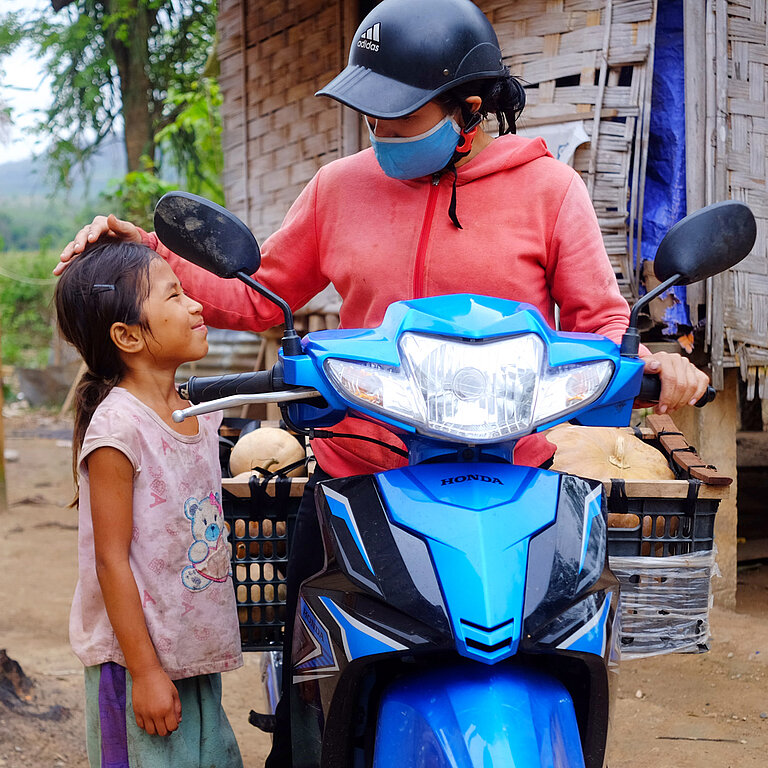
{"x":267,"y":449}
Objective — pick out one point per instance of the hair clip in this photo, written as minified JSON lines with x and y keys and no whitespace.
{"x":102,"y":288}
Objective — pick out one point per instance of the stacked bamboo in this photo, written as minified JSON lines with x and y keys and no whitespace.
{"x":738,"y":320}
{"x":274,"y":56}
{"x":590,"y":60}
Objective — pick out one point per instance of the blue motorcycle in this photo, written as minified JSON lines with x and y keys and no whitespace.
{"x":466,"y":615}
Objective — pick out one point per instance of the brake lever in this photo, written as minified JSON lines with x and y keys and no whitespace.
{"x":233,"y":401}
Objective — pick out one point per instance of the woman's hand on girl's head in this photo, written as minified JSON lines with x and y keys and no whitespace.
{"x":682,"y":383}
{"x":101,"y":226}
{"x":156,"y":703}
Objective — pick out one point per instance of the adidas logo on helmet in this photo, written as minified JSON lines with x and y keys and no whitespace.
{"x":370,"y":38}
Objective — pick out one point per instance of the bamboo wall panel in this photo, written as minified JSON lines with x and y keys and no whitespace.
{"x":589,"y":60}
{"x":277,"y":53}
{"x":739,"y":327}
{"x":578,"y":57}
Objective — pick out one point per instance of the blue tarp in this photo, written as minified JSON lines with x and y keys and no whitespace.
{"x":665,"y":202}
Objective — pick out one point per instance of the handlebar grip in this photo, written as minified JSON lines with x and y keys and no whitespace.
{"x":650,"y":391}
{"x":200,"y":389}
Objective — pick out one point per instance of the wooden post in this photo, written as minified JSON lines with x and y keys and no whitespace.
{"x":712,"y":430}
{"x":696,"y":73}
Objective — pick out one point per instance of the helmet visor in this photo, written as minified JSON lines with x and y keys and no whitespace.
{"x":374,"y":94}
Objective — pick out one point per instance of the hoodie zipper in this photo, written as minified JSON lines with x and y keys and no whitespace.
{"x":426,"y":227}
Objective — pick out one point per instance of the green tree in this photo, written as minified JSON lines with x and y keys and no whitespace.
{"x":113,"y":64}
{"x":192,"y":146}
{"x":8,"y":35}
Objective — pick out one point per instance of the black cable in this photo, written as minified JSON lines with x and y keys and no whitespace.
{"x":324,"y":434}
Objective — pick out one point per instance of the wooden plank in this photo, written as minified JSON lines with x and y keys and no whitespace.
{"x":242,"y":490}
{"x":682,"y":453}
{"x":669,"y":489}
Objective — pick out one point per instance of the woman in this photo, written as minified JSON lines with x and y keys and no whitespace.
{"x":437,"y":206}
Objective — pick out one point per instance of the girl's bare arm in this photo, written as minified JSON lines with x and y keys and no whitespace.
{"x":156,"y":702}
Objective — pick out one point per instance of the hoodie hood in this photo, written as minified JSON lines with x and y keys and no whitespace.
{"x":503,"y":153}
{"x":508,"y":151}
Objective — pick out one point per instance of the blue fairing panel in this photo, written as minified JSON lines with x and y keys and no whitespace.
{"x":477,"y":520}
{"x":591,"y":636}
{"x":460,"y":316}
{"x":477,"y":717}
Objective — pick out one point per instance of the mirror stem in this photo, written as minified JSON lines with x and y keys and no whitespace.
{"x":630,"y":341}
{"x":291,"y":341}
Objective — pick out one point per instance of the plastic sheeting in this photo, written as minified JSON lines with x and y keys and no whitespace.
{"x":562,"y":139}
{"x":665,"y":201}
{"x":664,"y":603}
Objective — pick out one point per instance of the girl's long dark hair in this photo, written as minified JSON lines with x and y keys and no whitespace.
{"x":503,"y":97}
{"x":106,"y":284}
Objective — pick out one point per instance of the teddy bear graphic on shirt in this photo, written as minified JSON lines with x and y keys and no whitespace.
{"x":210,"y":552}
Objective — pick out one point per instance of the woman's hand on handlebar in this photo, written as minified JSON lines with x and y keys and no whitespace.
{"x":682,"y":383}
{"x":101,"y":226}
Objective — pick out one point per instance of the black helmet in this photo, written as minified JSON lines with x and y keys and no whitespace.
{"x":406,"y":52}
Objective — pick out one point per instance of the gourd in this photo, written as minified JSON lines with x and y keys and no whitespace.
{"x":269,"y":449}
{"x":605,"y":453}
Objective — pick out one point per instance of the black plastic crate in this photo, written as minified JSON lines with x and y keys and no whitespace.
{"x":665,"y":526}
{"x":261,"y":527}
{"x":664,"y":564}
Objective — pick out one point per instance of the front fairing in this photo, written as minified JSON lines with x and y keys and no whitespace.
{"x":461,"y":556}
{"x":432,"y":563}
{"x":464,"y":317}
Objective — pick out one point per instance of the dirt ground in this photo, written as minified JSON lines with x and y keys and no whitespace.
{"x":677,"y":711}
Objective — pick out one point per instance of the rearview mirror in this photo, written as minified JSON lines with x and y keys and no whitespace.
{"x":206,"y":234}
{"x":706,"y":242}
{"x":699,"y":246}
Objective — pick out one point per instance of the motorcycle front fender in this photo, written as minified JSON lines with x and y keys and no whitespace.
{"x":477,"y":717}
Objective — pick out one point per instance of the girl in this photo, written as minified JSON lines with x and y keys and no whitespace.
{"x":153,"y":618}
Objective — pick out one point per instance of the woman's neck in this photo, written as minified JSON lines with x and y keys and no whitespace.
{"x":482,"y":140}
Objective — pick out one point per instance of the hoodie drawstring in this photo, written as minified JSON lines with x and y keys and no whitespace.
{"x":452,"y":206}
{"x":464,"y":147}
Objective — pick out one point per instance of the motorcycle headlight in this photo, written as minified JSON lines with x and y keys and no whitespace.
{"x":471,"y":391}
{"x":570,"y":387}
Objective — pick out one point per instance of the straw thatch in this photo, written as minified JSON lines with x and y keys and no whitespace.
{"x":737,"y":124}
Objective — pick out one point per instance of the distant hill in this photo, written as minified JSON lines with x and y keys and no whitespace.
{"x":28,"y":178}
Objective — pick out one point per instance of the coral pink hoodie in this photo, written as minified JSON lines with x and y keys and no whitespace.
{"x":529,"y":234}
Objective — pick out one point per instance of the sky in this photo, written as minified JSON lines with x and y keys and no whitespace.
{"x":24,"y":88}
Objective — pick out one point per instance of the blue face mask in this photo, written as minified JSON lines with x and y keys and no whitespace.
{"x":416,"y":156}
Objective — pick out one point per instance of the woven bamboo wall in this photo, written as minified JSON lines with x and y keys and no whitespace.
{"x":277,"y":53}
{"x":739,"y":317}
{"x":581,"y":59}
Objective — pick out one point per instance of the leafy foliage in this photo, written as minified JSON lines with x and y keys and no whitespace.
{"x":26,"y":311}
{"x":193,"y":140}
{"x":113,"y":63}
{"x":134,"y":197}
{"x":191,"y":143}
